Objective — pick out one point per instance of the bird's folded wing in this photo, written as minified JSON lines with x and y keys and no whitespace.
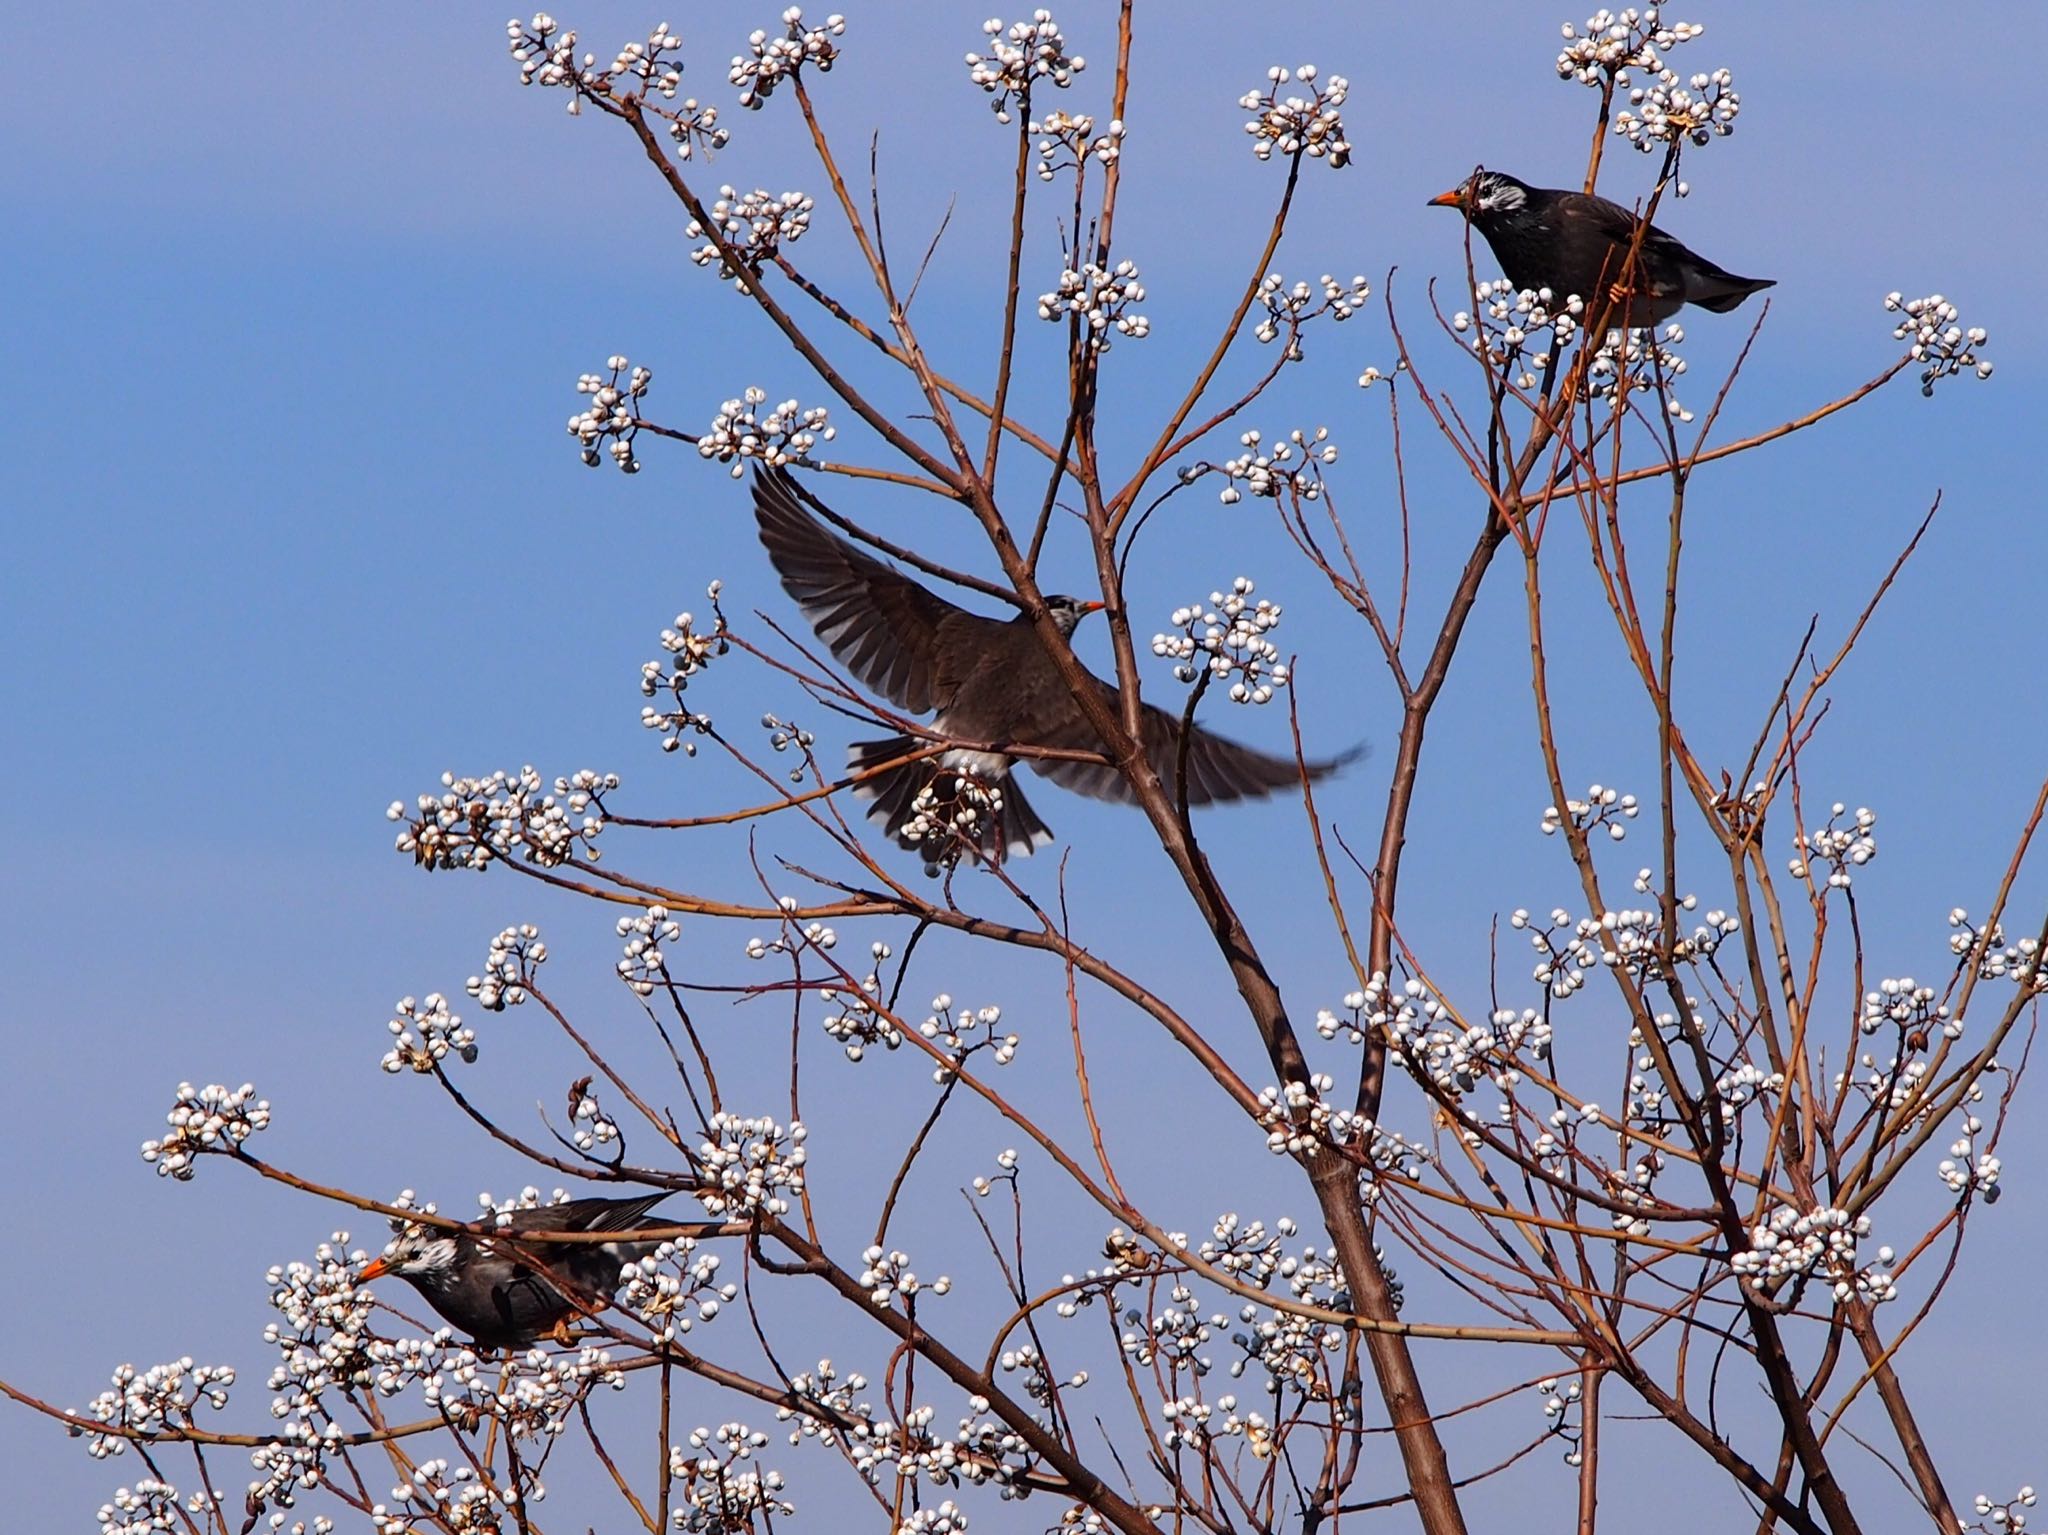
{"x":525,"y":1304}
{"x":1218,"y":770}
{"x":1660,"y":252}
{"x":883,"y":626}
{"x":588,"y":1215}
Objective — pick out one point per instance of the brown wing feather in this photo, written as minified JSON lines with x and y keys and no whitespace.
{"x":1219,"y":770}
{"x":1673,"y":268}
{"x":883,"y":626}
{"x":588,"y":1215}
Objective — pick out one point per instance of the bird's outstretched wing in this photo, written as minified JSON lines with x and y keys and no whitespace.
{"x":883,"y":626}
{"x":1218,"y":770}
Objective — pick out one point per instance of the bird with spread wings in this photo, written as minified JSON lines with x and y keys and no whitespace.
{"x":990,"y":686}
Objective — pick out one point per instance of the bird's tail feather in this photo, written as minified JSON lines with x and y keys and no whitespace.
{"x":1731,"y":291}
{"x":1012,"y":829}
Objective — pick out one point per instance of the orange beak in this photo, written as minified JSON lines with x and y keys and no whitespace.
{"x":1455,"y":198}
{"x":1093,"y":607}
{"x":376,"y":1268}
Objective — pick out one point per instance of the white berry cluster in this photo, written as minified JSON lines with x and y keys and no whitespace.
{"x":815,"y":935}
{"x":590,"y":1126}
{"x":947,"y":815}
{"x":1640,"y":361}
{"x":534,"y":1393}
{"x":1639,"y":1192}
{"x":152,"y":1505}
{"x":1837,"y":846}
{"x":1456,"y":1056}
{"x":1175,"y":1334}
{"x":945,"y":1518}
{"x":1664,"y":112}
{"x":1188,"y":1424}
{"x":162,"y":1397}
{"x":1997,"y":960}
{"x":981,"y":1451}
{"x":1427,"y":1036}
{"x":515,"y":954}
{"x":424,"y":1033}
{"x":1299,"y":125}
{"x":688,"y":652}
{"x":613,"y":412}
{"x":1560,"y":1135}
{"x":1229,"y":632}
{"x":402,"y":1363}
{"x":748,"y":228}
{"x":1909,"y":1007}
{"x":1293,"y":1350}
{"x":443,"y":1495}
{"x":1736,"y":1088}
{"x":546,"y":54}
{"x":439,"y":1495}
{"x":1947,"y":349}
{"x":887,"y":1274}
{"x":645,"y":61}
{"x":1965,"y":1170}
{"x":674,"y":1288}
{"x":1024,"y":1359}
{"x":966,"y":1031}
{"x":1019,"y":57}
{"x":1792,"y":1242}
{"x":1560,"y":1402}
{"x":547,"y":57}
{"x":1631,"y":939}
{"x":695,"y":129}
{"x":1246,"y":1250}
{"x":1102,"y":301}
{"x":211,"y":1120}
{"x":1329,"y":1025}
{"x":1893,"y":1082}
{"x":473,"y":821}
{"x":1297,"y":1119}
{"x":1519,"y":330}
{"x":750,"y":1166}
{"x":1068,"y":140}
{"x":722,"y":1489}
{"x":1601,"y":807}
{"x":858,"y":1020}
{"x":769,"y":60}
{"x":1608,"y":46}
{"x":1006,"y":1172}
{"x":643,"y":965}
{"x":828,"y":1396}
{"x":322,"y":1336}
{"x":1646,"y":1091}
{"x":784,"y":734}
{"x":784,"y":435}
{"x":1294,"y":465}
{"x":1290,"y":306}
{"x":2007,"y":1518}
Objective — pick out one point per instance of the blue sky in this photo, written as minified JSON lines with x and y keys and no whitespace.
{"x":293,"y":526}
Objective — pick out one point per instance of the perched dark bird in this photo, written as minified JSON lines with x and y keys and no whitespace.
{"x":987,"y":681}
{"x":1572,"y":243}
{"x":493,"y":1289}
